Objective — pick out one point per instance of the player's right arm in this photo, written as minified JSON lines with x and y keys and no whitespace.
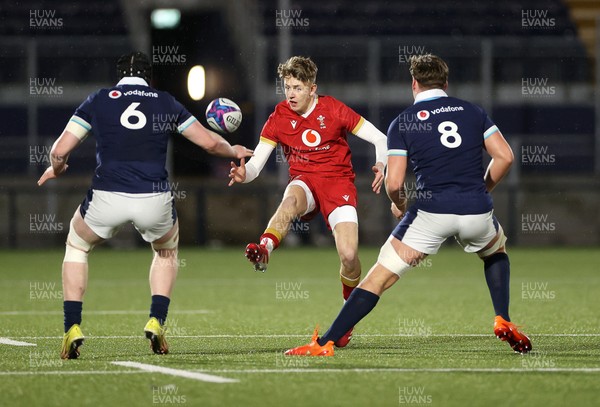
{"x":502,"y":157}
{"x":247,"y":172}
{"x":394,"y":184}
{"x":74,"y":133}
{"x":396,"y":169}
{"x":213,"y":143}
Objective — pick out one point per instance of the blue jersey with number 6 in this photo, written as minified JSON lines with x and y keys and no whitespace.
{"x":132,"y":123}
{"x":442,"y":138}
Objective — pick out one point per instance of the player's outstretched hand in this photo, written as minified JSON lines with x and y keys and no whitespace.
{"x":237,"y":173}
{"x":242,"y":152}
{"x":378,"y":170}
{"x":49,"y":174}
{"x":398,"y":212}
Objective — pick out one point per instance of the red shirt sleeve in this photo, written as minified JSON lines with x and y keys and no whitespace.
{"x":269,"y":133}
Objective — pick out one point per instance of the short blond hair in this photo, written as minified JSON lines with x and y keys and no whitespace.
{"x":301,"y":68}
{"x":429,"y":70}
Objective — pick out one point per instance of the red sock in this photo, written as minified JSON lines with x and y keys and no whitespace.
{"x":346,"y":291}
{"x":271,"y":236}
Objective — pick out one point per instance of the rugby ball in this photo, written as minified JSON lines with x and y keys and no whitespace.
{"x":223,"y":115}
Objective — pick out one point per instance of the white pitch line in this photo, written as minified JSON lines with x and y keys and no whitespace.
{"x":418,"y":370}
{"x":312,"y":371}
{"x":6,"y":341}
{"x":306,"y":336}
{"x":73,"y":372}
{"x":105,"y":312}
{"x":177,"y":372}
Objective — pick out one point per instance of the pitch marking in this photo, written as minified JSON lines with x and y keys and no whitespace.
{"x":177,"y":372}
{"x":6,"y":341}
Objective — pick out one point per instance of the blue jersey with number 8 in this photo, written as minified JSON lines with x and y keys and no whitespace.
{"x":442,"y":138}
{"x":132,"y":123}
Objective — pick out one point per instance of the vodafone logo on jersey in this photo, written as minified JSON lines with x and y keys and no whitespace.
{"x":114,"y":94}
{"x":423,"y":115}
{"x":311,"y":138}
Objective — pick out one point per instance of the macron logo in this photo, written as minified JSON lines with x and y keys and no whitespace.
{"x":346,"y":197}
{"x":294,"y":122}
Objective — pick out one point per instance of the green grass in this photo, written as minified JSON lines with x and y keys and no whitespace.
{"x":554,"y":291}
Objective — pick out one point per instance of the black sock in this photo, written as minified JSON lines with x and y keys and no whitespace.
{"x":359,"y":304}
{"x":72,"y":311}
{"x":160,"y":308}
{"x":497,"y":275}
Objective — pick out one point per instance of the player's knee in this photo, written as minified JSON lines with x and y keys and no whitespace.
{"x":290,"y":204}
{"x":77,"y":249}
{"x":389,"y":258}
{"x":348,"y":258}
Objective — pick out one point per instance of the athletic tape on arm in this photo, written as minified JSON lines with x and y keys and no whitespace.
{"x":78,"y":127}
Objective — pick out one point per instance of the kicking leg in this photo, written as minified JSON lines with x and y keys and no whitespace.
{"x":293,"y":204}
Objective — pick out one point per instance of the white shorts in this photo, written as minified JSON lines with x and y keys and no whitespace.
{"x":152,"y":214}
{"x":425,"y":231}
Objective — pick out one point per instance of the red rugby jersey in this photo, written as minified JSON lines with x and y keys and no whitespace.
{"x":315,"y":144}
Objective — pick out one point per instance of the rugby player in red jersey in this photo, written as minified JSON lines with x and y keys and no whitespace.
{"x":312,"y":130}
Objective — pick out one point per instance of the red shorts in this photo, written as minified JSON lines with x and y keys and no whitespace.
{"x":329,"y":194}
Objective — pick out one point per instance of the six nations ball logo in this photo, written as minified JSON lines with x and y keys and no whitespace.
{"x":114,"y":94}
{"x":423,"y":115}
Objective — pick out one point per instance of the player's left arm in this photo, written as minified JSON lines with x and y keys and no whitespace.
{"x":75,"y":132}
{"x":213,"y":143}
{"x":502,"y":157}
{"x":368,"y":132}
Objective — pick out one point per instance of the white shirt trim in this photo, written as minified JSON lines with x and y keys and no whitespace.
{"x":429,"y":94}
{"x":132,"y":80}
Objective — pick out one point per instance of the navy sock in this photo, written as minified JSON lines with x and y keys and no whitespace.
{"x":72,"y":311}
{"x":497,"y":275}
{"x":160,"y":308}
{"x":359,"y":304}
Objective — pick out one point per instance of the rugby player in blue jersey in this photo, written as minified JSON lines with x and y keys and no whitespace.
{"x":131,"y":123}
{"x":453,"y":199}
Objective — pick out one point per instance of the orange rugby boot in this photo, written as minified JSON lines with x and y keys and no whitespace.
{"x":313,"y":348}
{"x":507,"y":331}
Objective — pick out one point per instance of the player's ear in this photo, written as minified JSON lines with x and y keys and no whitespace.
{"x":313,"y":89}
{"x":445,"y":86}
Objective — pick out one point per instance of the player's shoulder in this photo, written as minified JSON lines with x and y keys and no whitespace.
{"x":465,"y":104}
{"x":329,"y":101}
